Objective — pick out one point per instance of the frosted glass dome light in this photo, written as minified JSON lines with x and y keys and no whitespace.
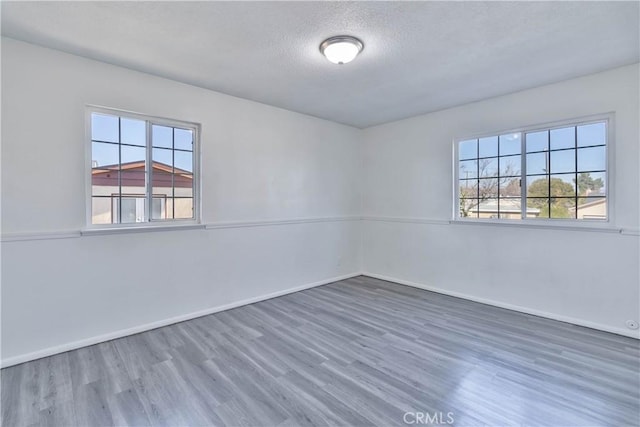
{"x":341,"y":49}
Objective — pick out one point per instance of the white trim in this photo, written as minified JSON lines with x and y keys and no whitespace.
{"x":407,"y":220}
{"x":160,"y":323}
{"x":546,"y":225}
{"x":88,"y":166}
{"x":46,"y":235}
{"x":518,"y":308}
{"x":69,"y":234}
{"x":516,"y":223}
{"x":139,"y":116}
{"x":40,"y":235}
{"x":263,"y":223}
{"x":140,"y":229}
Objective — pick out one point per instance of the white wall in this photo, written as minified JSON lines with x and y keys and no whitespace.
{"x":259,"y":163}
{"x":589,"y":278}
{"x":262,"y":165}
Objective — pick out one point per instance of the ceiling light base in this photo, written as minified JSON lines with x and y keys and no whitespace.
{"x":341,"y":49}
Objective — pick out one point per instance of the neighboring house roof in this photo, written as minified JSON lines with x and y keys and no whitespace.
{"x":139,"y":165}
{"x":507,"y":205}
{"x":133,"y":174}
{"x":595,"y":202}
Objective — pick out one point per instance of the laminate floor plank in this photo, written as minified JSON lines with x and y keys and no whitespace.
{"x":55,"y":386}
{"x":127,"y":409}
{"x":91,"y":404}
{"x":62,"y":414}
{"x":357,"y":352}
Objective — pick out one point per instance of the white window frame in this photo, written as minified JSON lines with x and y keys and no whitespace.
{"x":608,"y":118}
{"x":149,"y":120}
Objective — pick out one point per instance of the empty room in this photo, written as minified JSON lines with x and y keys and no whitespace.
{"x":315,"y":213}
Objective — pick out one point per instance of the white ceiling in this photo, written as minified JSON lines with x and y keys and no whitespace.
{"x":418,"y":56}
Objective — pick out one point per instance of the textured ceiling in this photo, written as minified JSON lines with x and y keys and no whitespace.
{"x":418,"y":56}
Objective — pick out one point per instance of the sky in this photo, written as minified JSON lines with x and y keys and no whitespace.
{"x":133,"y":133}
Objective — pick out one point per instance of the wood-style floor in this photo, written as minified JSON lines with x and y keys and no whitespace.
{"x":356,"y":352}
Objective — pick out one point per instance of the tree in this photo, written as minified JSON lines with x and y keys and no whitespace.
{"x":510,"y":188}
{"x":586,"y":184}
{"x":551,"y":199}
{"x":473,"y":192}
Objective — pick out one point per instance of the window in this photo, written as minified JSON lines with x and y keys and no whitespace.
{"x":143,"y":170}
{"x":553,"y":173}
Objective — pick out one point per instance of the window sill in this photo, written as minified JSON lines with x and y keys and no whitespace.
{"x":99,"y":231}
{"x":572,"y":226}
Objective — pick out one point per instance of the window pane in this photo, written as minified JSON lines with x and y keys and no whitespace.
{"x":183,"y":187}
{"x":169,"y":208}
{"x":537,"y":163}
{"x":592,"y":159}
{"x":159,"y":208}
{"x":162,"y":158}
{"x":537,"y":186}
{"x":101,"y":210}
{"x":104,"y":127}
{"x":593,"y":134}
{"x":132,"y":155}
{"x":488,"y":147}
{"x":183,"y":139}
{"x":127,"y":210}
{"x":592,"y":184}
{"x":468,"y":149}
{"x":133,"y":132}
{"x":105,"y":181}
{"x":133,"y":182}
{"x":594,"y":208}
{"x":510,"y":208}
{"x":563,"y":185}
{"x":161,"y":136}
{"x":183,"y":208}
{"x":468,"y":169}
{"x":488,"y":167}
{"x":510,"y":187}
{"x":537,"y":208}
{"x":563,"y":138}
{"x":563,"y":208}
{"x":468,"y":208}
{"x":162,"y":183}
{"x":510,"y":144}
{"x":563,"y":161}
{"x":488,"y":187}
{"x":104,"y":154}
{"x":537,"y":141}
{"x":183,"y":161}
{"x":510,"y":165}
{"x":468,"y":188}
{"x":488,"y":208}
{"x":130,"y":209}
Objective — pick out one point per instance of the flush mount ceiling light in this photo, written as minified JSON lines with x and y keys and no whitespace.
{"x":341,"y":49}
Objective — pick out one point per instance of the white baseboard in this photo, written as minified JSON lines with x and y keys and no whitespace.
{"x":15,"y":360}
{"x":539,"y":313}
